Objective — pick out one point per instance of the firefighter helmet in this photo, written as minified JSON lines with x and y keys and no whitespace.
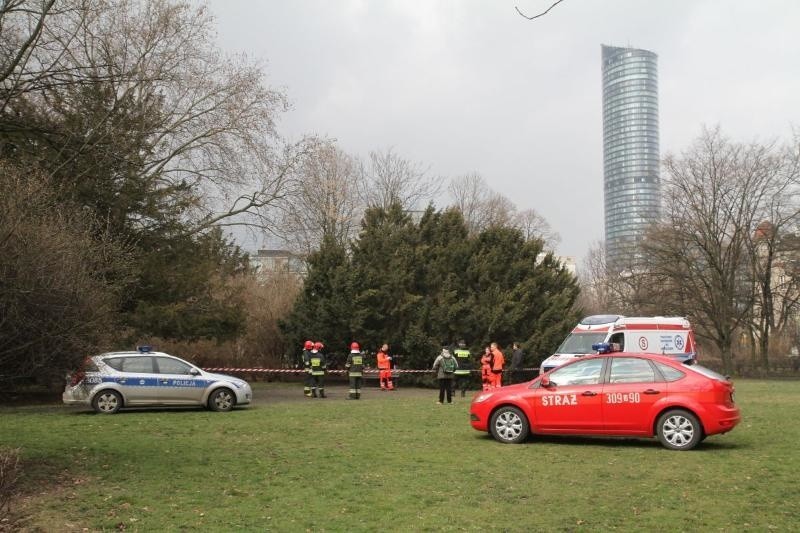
{"x":308,"y":345}
{"x":354,"y":347}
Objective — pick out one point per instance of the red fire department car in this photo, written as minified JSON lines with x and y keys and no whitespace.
{"x":614,"y":394}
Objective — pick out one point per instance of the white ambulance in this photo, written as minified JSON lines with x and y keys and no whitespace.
{"x":671,"y":336}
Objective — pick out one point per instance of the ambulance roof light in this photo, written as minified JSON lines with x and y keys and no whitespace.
{"x":596,"y":320}
{"x":144,"y":348}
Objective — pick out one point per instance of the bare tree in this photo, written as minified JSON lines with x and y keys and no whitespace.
{"x":499,"y":210}
{"x":468,"y":194}
{"x":535,"y":226}
{"x":388,"y":178}
{"x":627,"y":291}
{"x":22,"y":23}
{"x":700,"y":250}
{"x":324,"y":200}
{"x":482,"y":207}
{"x":209,"y":136}
{"x":774,"y":247}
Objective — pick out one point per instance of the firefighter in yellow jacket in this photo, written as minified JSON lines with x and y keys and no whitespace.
{"x":316,"y":367}
{"x":462,"y":374}
{"x":355,"y":371}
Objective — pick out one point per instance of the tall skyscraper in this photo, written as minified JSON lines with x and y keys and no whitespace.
{"x":632,"y":188}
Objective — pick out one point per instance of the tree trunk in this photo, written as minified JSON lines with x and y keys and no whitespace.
{"x":725,"y":346}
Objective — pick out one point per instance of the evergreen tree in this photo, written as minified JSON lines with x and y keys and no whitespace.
{"x":325,"y":309}
{"x":385,"y":297}
{"x":415,"y":286}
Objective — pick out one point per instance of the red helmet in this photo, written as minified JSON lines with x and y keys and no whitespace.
{"x":308,"y":345}
{"x":318,"y":345}
{"x":355,"y":347}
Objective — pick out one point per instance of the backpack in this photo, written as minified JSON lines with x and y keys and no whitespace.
{"x":448,"y":365}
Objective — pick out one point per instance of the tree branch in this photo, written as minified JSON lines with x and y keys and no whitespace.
{"x":543,"y":13}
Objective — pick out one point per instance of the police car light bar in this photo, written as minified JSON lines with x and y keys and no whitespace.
{"x":144,"y":349}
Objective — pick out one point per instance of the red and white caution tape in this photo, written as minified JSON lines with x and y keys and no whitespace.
{"x":303,"y":371}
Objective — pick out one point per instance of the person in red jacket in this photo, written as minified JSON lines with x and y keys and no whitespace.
{"x":486,"y":369}
{"x":498,"y":362}
{"x":385,"y":368}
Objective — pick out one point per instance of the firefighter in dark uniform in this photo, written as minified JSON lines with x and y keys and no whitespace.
{"x":305,"y":360}
{"x":462,"y":374}
{"x":355,"y":371}
{"x":317,"y":365}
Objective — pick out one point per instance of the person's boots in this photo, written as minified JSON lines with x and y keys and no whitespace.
{"x":322,"y":393}
{"x":313,"y":393}
{"x":358,"y":396}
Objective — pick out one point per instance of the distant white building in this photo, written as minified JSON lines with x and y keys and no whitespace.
{"x":266,"y":262}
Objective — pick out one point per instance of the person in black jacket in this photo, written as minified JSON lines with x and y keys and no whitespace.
{"x":516,"y":363}
{"x":463,"y":373}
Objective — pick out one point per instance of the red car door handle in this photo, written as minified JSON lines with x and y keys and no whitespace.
{"x":589,"y":393}
{"x":652,"y":391}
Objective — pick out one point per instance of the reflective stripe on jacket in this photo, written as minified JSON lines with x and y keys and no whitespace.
{"x":317,"y":364}
{"x":355,"y":365}
{"x":464,"y":362}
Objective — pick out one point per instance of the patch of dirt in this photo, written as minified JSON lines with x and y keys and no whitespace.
{"x":26,"y":506}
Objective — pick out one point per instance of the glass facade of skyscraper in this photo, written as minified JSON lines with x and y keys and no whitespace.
{"x":632,"y":189}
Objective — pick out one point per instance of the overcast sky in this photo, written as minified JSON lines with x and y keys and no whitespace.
{"x":470,"y":86}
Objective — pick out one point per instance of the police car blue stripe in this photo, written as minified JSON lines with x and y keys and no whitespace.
{"x":138,"y":381}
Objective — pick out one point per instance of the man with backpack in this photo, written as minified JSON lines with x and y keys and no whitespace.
{"x":445,"y":367}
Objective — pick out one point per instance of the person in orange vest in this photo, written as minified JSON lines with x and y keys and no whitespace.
{"x":385,"y":368}
{"x":486,"y":369}
{"x":498,"y":362}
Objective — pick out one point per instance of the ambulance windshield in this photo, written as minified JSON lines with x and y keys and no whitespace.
{"x":581,"y":342}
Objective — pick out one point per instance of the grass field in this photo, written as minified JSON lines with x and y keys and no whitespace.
{"x":393,"y":461}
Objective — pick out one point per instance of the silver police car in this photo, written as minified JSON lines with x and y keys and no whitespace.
{"x":111,"y":381}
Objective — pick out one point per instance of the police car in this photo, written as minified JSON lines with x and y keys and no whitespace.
{"x":111,"y":381}
{"x":614,"y":394}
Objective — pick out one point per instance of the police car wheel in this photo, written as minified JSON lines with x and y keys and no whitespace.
{"x":107,"y":402}
{"x":221,"y":400}
{"x":509,"y":425}
{"x":679,"y":430}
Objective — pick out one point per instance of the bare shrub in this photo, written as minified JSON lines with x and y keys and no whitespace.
{"x":10,"y":470}
{"x":60,"y":278}
{"x":267,"y":300}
